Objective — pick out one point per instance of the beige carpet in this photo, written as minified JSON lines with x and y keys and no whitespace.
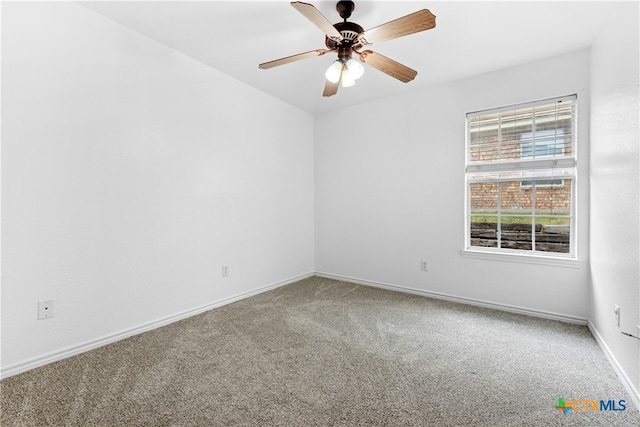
{"x":323,"y":352}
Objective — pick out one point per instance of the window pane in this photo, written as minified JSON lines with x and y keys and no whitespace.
{"x":555,"y":123}
{"x":552,"y":211}
{"x":554,"y":235}
{"x":543,"y":143}
{"x":552,"y":197}
{"x":484,"y":214}
{"x":514,"y":124}
{"x":515,"y":199}
{"x":516,"y":216}
{"x":483,"y":138}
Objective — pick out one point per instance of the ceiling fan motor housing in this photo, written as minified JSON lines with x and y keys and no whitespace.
{"x":350,"y":32}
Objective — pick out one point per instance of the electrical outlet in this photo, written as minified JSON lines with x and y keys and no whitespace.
{"x":616,"y":314}
{"x":225,"y":270}
{"x":423,"y":265}
{"x":45,"y":309}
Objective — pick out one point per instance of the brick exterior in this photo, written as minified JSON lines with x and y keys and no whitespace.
{"x":514,"y":196}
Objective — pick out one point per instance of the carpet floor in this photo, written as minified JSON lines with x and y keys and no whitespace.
{"x":322,"y":352}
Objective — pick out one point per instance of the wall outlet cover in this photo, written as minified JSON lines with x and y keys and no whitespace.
{"x":45,"y":309}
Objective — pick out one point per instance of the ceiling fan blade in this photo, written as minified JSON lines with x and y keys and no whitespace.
{"x":413,"y":23}
{"x":317,"y":18}
{"x":330,"y":88}
{"x":388,"y":66}
{"x":293,"y":58}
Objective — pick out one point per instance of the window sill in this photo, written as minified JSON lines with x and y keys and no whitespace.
{"x":526,"y":258}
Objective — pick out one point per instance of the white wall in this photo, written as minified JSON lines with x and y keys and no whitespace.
{"x":390,"y":191}
{"x":615,"y":187}
{"x":130,"y":174}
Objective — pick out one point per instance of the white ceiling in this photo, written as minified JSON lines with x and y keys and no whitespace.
{"x":470,"y":38}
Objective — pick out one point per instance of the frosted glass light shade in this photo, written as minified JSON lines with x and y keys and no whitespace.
{"x":347,"y":78}
{"x":333,"y":73}
{"x":356,"y":70}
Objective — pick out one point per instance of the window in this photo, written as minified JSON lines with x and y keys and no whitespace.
{"x":520,"y":178}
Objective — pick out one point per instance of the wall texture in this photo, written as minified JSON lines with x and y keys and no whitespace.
{"x":390,"y":192}
{"x":130,"y":174}
{"x":615,"y":188}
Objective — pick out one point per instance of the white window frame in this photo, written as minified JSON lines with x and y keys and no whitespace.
{"x":567,"y":163}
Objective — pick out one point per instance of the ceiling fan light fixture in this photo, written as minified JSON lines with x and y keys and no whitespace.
{"x":334,"y":72}
{"x":355,"y":68}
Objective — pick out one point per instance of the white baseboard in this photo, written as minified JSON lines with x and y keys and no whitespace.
{"x":65,"y":353}
{"x":463,"y":300}
{"x":626,"y":381}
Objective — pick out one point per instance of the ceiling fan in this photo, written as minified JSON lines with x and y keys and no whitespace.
{"x":348,"y":38}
